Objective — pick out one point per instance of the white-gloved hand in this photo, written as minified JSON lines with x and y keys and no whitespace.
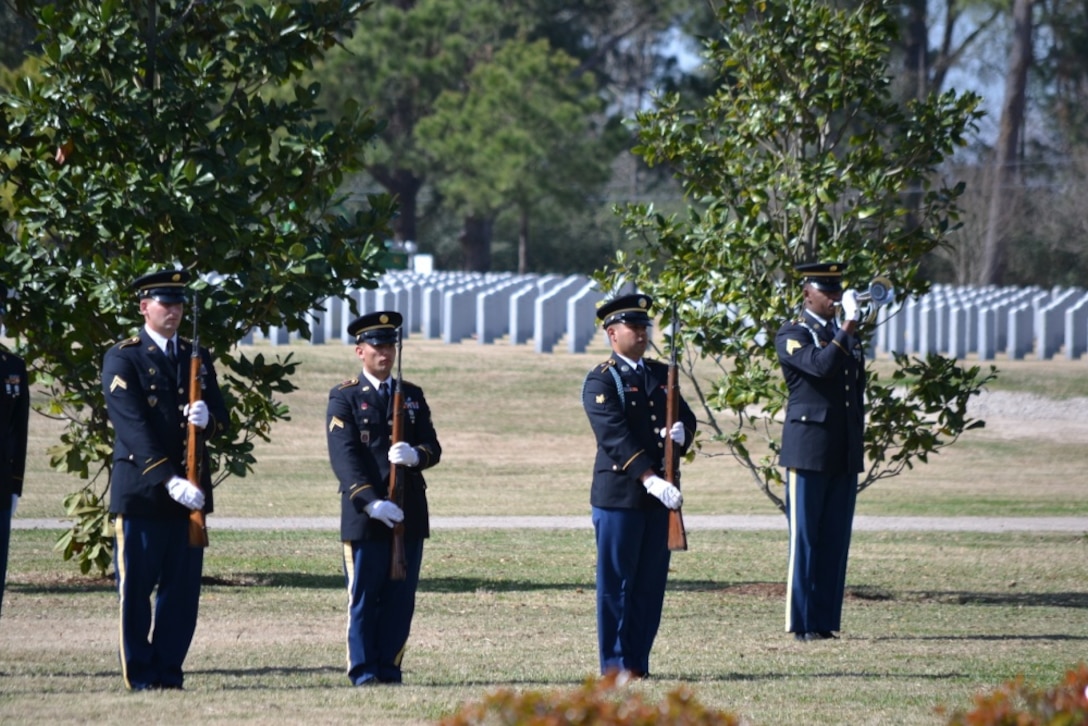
{"x":184,"y":493}
{"x":669,"y":495}
{"x":849,"y":303}
{"x":14,"y":503}
{"x":402,"y":454}
{"x":385,"y":512}
{"x":197,"y":414}
{"x":676,"y":432}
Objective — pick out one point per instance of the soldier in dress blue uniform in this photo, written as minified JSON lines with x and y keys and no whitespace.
{"x":625,"y":400}
{"x":14,"y":419}
{"x":822,"y":448}
{"x":359,"y":429}
{"x":145,"y":381}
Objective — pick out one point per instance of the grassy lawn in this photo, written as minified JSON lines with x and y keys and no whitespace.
{"x":930,"y":618}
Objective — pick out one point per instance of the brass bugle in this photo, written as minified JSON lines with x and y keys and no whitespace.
{"x":880,"y":292}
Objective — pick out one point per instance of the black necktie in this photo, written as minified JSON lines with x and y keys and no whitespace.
{"x":383,"y":394}
{"x":173,"y":356}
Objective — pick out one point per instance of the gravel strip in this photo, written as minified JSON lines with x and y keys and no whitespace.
{"x":1026,"y":406}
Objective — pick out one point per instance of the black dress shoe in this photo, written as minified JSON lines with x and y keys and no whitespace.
{"x":822,"y":635}
{"x":827,"y":635}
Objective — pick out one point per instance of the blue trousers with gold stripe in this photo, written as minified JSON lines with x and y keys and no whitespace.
{"x":379,"y":609}
{"x":820,"y":508}
{"x":153,"y":555}
{"x":632,"y":570}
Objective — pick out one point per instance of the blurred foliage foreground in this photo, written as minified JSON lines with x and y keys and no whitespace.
{"x":603,"y":702}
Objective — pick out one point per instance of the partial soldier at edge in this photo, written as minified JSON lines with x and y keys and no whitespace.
{"x":14,"y":428}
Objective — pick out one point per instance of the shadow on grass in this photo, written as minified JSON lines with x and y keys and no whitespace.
{"x":1077,"y":600}
{"x":311,"y":581}
{"x":476,"y":584}
{"x":862,"y":593}
{"x":78,"y":584}
{"x":82,"y":586}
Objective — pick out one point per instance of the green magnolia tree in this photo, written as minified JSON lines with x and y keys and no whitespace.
{"x":799,"y":155}
{"x":152,"y":138}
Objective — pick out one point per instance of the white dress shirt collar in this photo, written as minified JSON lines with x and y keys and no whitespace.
{"x":375,"y":382}
{"x":159,"y":340}
{"x":628,"y":361}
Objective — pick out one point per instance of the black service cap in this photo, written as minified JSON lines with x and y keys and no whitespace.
{"x":376,"y":328}
{"x":166,"y":286}
{"x":826,"y":276}
{"x":630,"y":309}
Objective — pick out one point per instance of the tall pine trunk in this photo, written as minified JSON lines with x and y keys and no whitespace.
{"x":475,"y":242}
{"x":1003,"y":194}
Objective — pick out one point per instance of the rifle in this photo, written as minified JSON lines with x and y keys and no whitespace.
{"x":397,"y":566}
{"x":198,"y":531}
{"x":678,"y":538}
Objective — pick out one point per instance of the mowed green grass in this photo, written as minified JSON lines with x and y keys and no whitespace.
{"x":931,"y":618}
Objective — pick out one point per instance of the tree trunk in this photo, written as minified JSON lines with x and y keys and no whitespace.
{"x":523,"y":243}
{"x":1003,"y":193}
{"x":406,"y":188}
{"x":475,"y":242}
{"x":916,"y":49}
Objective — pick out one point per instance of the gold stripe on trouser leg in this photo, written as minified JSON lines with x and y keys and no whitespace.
{"x":122,"y":573}
{"x":791,"y":484}
{"x":349,"y":568}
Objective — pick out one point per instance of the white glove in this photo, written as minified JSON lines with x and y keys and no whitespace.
{"x":402,"y":454}
{"x":676,"y":432}
{"x":669,"y":495}
{"x":385,"y":511}
{"x":850,"y":305}
{"x":197,"y":414}
{"x":14,"y":503}
{"x":184,"y":493}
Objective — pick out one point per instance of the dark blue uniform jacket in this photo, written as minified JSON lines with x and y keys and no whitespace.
{"x":825,"y":414}
{"x":629,"y":431}
{"x":359,"y":430}
{"x":145,"y":396}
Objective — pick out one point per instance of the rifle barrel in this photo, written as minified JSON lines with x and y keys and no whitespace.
{"x":678,"y":538}
{"x":398,"y":560}
{"x":198,"y":530}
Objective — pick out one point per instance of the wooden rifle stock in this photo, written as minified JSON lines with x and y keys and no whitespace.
{"x":198,"y":531}
{"x":678,"y":537}
{"x":397,"y":564}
